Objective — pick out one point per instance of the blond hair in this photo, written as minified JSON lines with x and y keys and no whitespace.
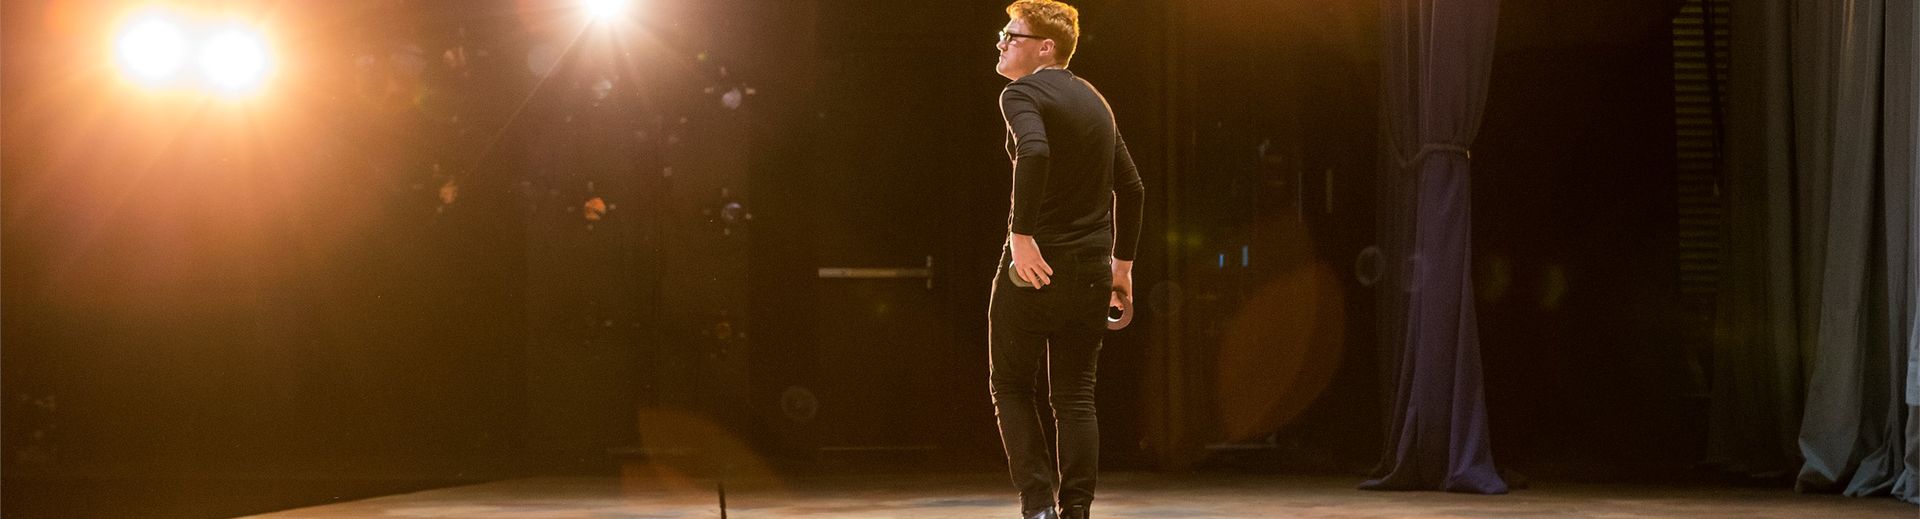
{"x":1052,"y":20}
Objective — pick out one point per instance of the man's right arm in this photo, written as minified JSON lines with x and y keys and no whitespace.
{"x":1031,"y":156}
{"x":1030,"y":169}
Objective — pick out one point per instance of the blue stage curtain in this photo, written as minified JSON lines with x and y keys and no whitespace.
{"x":1438,"y":54}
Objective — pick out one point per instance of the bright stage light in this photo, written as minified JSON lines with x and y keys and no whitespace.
{"x":235,"y":60}
{"x":604,"y":9}
{"x":151,"y":49}
{"x":155,"y":47}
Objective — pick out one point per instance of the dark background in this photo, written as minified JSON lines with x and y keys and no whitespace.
{"x":210,"y":311}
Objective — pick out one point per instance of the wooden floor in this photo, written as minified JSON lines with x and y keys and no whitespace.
{"x":1121,"y":495}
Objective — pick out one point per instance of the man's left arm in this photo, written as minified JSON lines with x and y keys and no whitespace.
{"x":1129,"y":203}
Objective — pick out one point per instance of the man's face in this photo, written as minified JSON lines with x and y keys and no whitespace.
{"x":1020,"y":53}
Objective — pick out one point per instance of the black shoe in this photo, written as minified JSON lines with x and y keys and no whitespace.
{"x":1074,"y":512}
{"x":1044,"y":513}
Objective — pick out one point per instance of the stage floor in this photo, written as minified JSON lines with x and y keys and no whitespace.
{"x":1121,"y":495}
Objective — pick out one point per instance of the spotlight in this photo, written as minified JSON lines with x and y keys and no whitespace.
{"x":601,"y":10}
{"x":234,"y":60}
{"x":151,"y":49}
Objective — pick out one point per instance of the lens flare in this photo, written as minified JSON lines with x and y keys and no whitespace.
{"x":235,"y":61}
{"x":604,"y":9}
{"x":151,"y":49}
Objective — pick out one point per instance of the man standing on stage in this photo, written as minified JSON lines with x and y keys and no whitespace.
{"x":1075,"y":223}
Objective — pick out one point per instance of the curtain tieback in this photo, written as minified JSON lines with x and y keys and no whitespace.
{"x":1436,"y":147}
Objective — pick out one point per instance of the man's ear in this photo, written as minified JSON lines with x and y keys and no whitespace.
{"x":1046,"y":48}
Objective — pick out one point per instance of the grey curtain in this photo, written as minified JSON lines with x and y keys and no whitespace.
{"x":1817,"y":351}
{"x":1902,"y":160}
{"x":1758,"y":383}
{"x":1434,"y":85}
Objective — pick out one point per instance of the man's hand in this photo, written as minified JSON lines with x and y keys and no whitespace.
{"x":1122,"y":282}
{"x":1027,"y":262}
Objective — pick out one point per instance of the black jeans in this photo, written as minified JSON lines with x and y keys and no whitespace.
{"x":1059,"y":326}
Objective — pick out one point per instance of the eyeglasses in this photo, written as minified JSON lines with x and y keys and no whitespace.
{"x":1007,"y":37}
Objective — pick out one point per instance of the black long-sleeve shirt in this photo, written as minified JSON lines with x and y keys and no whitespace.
{"x":1075,"y":186}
